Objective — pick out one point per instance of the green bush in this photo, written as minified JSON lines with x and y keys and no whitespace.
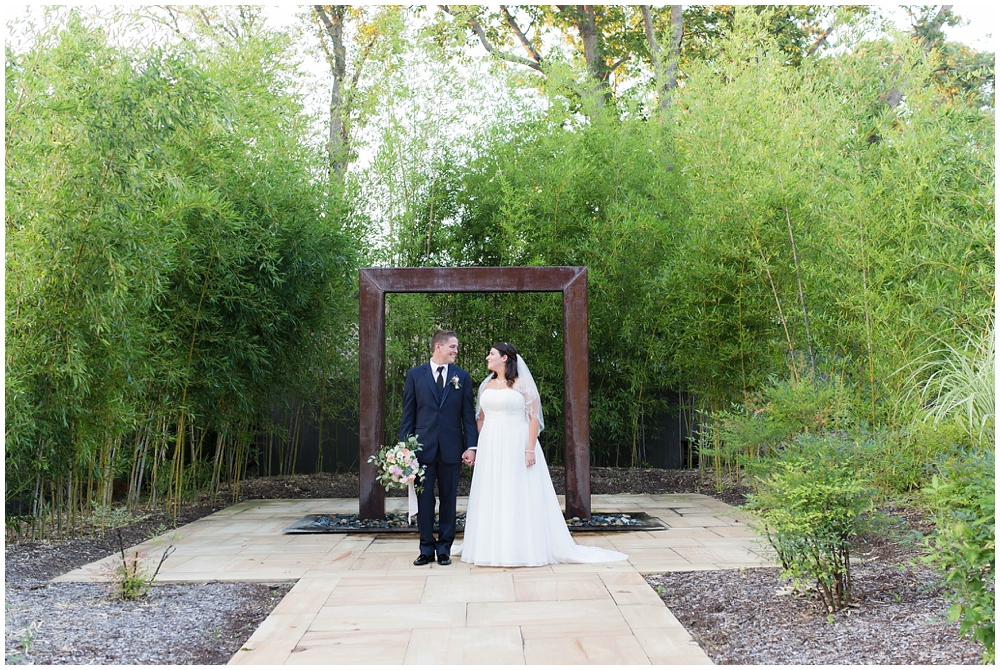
{"x":963,"y":545}
{"x":812,"y":501}
{"x":902,"y":460}
{"x":783,"y":409}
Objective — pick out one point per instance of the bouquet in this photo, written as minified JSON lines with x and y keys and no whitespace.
{"x":398,"y":465}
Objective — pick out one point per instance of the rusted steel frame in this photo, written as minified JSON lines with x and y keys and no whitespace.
{"x":570,"y":281}
{"x":576,"y":410}
{"x":371,"y":357}
{"x":474,"y":280}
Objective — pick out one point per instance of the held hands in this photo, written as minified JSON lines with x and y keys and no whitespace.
{"x":529,"y":457}
{"x":469,"y":457}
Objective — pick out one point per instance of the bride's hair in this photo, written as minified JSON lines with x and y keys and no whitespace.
{"x":510,"y":371}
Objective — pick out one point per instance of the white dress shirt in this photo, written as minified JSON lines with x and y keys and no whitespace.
{"x":434,"y":374}
{"x":434,"y":371}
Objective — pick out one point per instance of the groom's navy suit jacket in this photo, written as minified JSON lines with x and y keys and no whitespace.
{"x":444,"y":421}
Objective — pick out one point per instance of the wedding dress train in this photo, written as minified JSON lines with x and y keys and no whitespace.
{"x":514,"y":517}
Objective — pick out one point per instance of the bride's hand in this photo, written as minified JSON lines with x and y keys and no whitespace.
{"x":529,"y":458}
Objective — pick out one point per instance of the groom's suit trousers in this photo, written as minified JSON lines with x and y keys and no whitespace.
{"x":446,"y":476}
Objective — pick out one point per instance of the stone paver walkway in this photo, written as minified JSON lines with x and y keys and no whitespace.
{"x":358,"y":598}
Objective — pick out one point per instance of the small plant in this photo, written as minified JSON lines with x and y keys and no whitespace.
{"x":26,"y":643}
{"x":128,"y":579}
{"x":812,"y":502}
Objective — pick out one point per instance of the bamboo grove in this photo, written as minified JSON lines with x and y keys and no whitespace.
{"x":181,"y":254}
{"x":170,"y":262}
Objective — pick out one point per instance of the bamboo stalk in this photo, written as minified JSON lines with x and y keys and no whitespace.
{"x":295,"y":439}
{"x":130,"y":495}
{"x":781,"y":313}
{"x":217,"y":464}
{"x":867,"y":303}
{"x":798,"y":275}
{"x":319,"y":438}
{"x":177,"y":471}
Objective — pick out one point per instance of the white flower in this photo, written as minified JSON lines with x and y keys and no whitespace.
{"x":454,"y":382}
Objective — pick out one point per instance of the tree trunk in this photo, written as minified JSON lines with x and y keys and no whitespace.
{"x":333,"y":23}
{"x":666,"y":72}
{"x":587,"y":25}
{"x":674,"y":55}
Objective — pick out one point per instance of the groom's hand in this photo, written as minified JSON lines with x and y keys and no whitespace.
{"x":469,"y":457}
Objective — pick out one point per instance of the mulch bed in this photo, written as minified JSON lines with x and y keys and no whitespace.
{"x":737,"y":616}
{"x":602,"y":481}
{"x":752,"y":616}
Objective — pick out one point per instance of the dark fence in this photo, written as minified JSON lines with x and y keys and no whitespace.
{"x":305,"y":446}
{"x":666,"y":439}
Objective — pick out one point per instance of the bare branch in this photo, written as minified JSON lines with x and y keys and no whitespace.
{"x":820,"y":41}
{"x":894,"y":96}
{"x":647,"y":23}
{"x":322,"y":42}
{"x":324,"y":17}
{"x":934,"y":25}
{"x":490,"y":47}
{"x":174,"y":21}
{"x":362,"y":59}
{"x":532,"y":52}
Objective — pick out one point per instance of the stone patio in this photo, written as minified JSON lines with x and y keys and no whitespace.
{"x":359,"y":600}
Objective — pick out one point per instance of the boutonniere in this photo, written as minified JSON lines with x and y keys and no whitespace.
{"x":454,"y":382}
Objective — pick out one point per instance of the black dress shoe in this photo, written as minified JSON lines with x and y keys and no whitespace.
{"x":444,"y":560}
{"x":423,"y":559}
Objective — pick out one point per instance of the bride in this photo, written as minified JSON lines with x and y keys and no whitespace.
{"x":514,"y":518}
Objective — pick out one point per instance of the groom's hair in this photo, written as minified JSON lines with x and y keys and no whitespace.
{"x":442,"y":337}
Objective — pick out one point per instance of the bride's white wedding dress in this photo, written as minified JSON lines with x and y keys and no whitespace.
{"x":514,"y":517}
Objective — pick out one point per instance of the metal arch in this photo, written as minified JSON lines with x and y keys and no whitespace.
{"x":570,"y":281}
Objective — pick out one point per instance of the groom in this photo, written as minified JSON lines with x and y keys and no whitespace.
{"x":438,"y":409}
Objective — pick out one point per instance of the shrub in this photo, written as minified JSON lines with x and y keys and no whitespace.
{"x":963,"y":545}
{"x":128,"y":579}
{"x":785,"y":408}
{"x":812,"y":501}
{"x":902,"y":460}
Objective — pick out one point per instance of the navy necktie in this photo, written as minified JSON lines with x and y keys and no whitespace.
{"x":440,"y":378}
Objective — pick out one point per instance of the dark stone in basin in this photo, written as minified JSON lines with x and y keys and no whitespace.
{"x":395,"y":522}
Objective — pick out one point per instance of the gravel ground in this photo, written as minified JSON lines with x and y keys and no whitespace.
{"x":176,"y":624}
{"x":752,"y":616}
{"x":744,"y":617}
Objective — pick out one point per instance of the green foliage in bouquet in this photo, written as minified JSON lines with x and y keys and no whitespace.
{"x":398,"y":465}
